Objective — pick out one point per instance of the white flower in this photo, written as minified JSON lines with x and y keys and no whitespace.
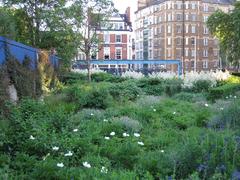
{"x":206,"y":105}
{"x":235,"y":97}
{"x":125,"y":134}
{"x":163,"y":75}
{"x":45,"y":157}
{"x":104,"y":170}
{"x":105,"y":120}
{"x":68,"y":154}
{"x":141,"y":143}
{"x":174,"y":112}
{"x":75,"y":130}
{"x":86,"y":164}
{"x":60,"y":165}
{"x":162,"y":151}
{"x":92,"y":114}
{"x":226,"y":97}
{"x":132,"y":74}
{"x":32,"y":138}
{"x":112,"y":133}
{"x":136,"y":135}
{"x":106,"y":137}
{"x":230,"y":96}
{"x":55,"y":148}
{"x":154,"y":110}
{"x":221,"y":108}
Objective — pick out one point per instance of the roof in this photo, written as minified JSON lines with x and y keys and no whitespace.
{"x":155,"y":2}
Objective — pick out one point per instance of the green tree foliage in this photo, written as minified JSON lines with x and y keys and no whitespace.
{"x":226,"y":27}
{"x":86,"y":17}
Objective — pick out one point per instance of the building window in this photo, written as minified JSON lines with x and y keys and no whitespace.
{"x":179,"y":5}
{"x":194,"y":17}
{"x":205,"y":7}
{"x":186,"y":17}
{"x":168,"y":52}
{"x":178,"y":41}
{"x":193,"y":41}
{"x":193,"y":5}
{"x":186,"y":28}
{"x":106,"y":38}
{"x":179,"y":28}
{"x":106,"y":53}
{"x":193,"y":53}
{"x":192,"y":64}
{"x":169,"y":41}
{"x":118,"y":53}
{"x":205,"y":64}
{"x":205,"y":18}
{"x":186,"y":52}
{"x":205,"y":53}
{"x":193,"y":29}
{"x":169,"y":29}
{"x":178,"y":53}
{"x":205,"y":41}
{"x":118,"y":38}
{"x":205,"y":30}
{"x":186,"y":40}
{"x":169,"y":17}
{"x":179,"y":17}
{"x":150,"y":53}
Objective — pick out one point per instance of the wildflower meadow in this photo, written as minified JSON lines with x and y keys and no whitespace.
{"x":159,"y":126}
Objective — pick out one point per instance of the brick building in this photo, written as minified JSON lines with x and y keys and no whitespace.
{"x":171,"y":30}
{"x":117,"y":40}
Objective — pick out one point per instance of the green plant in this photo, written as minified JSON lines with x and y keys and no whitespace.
{"x":201,"y":85}
{"x":126,"y":90}
{"x":151,"y":86}
{"x":223,"y":91}
{"x":90,"y":96}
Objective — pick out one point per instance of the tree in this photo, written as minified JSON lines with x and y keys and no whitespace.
{"x":8,"y":24}
{"x":88,"y":16}
{"x":226,"y":27}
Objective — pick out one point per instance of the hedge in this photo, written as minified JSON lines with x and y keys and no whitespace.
{"x":222,"y":91}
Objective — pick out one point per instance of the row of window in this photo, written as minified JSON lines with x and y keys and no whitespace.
{"x":188,"y":53}
{"x":159,"y":30}
{"x":170,"y":17}
{"x":106,"y":38}
{"x":118,"y":53}
{"x":188,"y":41}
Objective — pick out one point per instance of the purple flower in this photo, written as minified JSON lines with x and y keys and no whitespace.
{"x":236,"y":175}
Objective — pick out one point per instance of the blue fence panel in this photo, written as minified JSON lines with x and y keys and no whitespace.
{"x":21,"y":51}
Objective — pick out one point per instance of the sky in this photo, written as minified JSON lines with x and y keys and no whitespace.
{"x":121,"y":5}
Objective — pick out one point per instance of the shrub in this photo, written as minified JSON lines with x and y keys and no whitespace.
{"x":228,"y":117}
{"x":151,"y":86}
{"x":90,"y":96}
{"x":190,"y":97}
{"x":126,"y":90}
{"x":129,"y":124}
{"x":223,"y":91}
{"x":98,"y":77}
{"x":201,"y":85}
{"x":172,"y":86}
{"x":72,"y":77}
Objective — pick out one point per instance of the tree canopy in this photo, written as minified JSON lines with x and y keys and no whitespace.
{"x":226,"y":27}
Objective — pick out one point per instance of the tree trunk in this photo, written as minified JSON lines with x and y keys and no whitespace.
{"x":88,"y":67}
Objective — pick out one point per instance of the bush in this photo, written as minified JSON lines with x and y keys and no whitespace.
{"x":126,"y":90}
{"x":172,"y":86}
{"x":90,"y":95}
{"x":201,"y":86}
{"x":228,"y":117}
{"x":151,"y":86}
{"x":190,"y":97}
{"x":223,"y":91}
{"x":72,"y":77}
